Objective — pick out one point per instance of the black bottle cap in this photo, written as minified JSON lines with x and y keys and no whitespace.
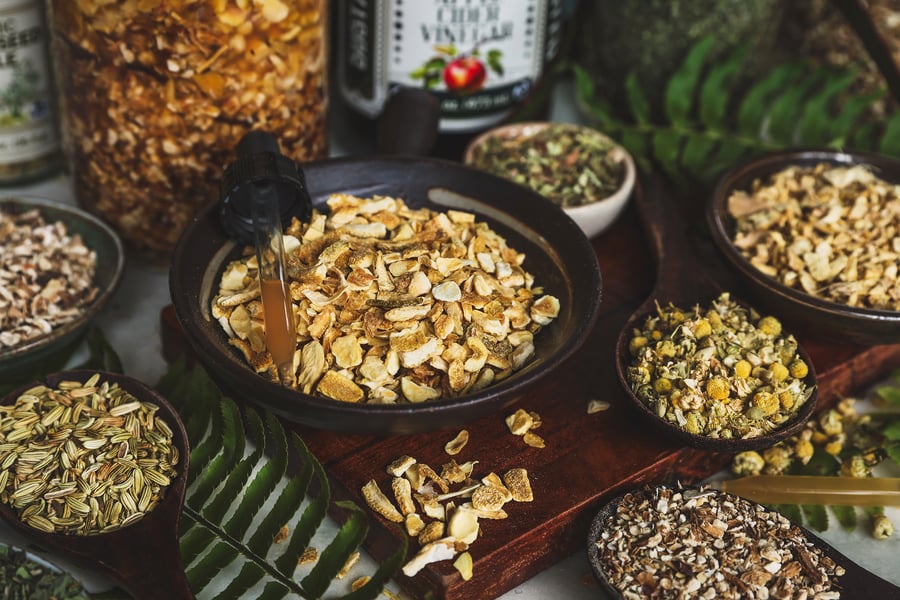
{"x":409,"y":122}
{"x":259,"y":161}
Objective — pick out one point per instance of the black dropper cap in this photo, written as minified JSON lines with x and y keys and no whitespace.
{"x":259,"y":162}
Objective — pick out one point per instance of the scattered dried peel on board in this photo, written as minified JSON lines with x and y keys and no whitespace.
{"x":420,"y":493}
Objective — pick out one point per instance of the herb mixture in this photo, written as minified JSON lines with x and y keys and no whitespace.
{"x":722,"y":371}
{"x":569,"y":165}
{"x":24,"y":579}
{"x":668,"y":543}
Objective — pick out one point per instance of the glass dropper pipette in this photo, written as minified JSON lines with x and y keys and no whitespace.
{"x":259,"y":191}
{"x":811,"y":489}
{"x":278,"y":313}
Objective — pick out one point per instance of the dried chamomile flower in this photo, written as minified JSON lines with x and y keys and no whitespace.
{"x":882,"y":527}
{"x":721,"y":371}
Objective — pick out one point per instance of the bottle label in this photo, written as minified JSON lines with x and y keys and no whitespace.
{"x":480,"y":58}
{"x":27,"y":128}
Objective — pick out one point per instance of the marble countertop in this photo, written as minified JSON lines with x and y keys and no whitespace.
{"x":132,"y":325}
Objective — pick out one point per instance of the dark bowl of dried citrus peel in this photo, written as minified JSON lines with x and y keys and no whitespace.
{"x":717,"y":375}
{"x":426,"y":294}
{"x":60,"y":266}
{"x":813,"y":234}
{"x":577,"y":167}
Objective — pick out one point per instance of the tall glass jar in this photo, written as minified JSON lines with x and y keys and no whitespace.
{"x":157,"y":93}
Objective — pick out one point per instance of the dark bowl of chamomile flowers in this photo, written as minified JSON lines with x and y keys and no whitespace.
{"x":577,"y":167}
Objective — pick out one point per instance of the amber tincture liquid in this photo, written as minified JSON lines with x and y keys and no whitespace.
{"x":279,"y":320}
{"x":485,"y":61}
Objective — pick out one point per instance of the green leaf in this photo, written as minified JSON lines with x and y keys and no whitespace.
{"x":853,"y":109}
{"x":681,"y":88}
{"x":821,"y":463}
{"x":816,"y":120}
{"x":890,"y":394}
{"x":251,"y":573}
{"x":756,"y":103}
{"x":494,"y":61}
{"x":716,"y":90}
{"x":890,"y":140}
{"x":893,"y":452}
{"x":332,"y":559}
{"x":789,"y":106}
{"x":666,"y":150}
{"x":248,"y":460}
{"x":816,"y":516}
{"x":235,"y":484}
{"x":204,"y":570}
{"x":203,"y":483}
{"x":698,"y":150}
{"x":312,"y":516}
{"x":640,"y":106}
{"x":846,"y":516}
{"x":892,"y":431}
{"x":791,"y":511}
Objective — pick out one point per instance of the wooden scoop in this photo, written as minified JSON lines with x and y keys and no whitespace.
{"x":143,"y":557}
{"x":686,"y":278}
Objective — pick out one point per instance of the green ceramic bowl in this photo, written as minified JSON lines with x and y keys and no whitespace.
{"x":110,"y":264}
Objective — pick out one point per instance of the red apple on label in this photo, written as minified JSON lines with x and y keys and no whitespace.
{"x":465,"y":75}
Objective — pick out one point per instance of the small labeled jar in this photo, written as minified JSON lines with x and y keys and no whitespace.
{"x":29,"y":140}
{"x":157,"y":94}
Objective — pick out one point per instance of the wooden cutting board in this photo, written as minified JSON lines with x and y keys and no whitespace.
{"x":587,"y":459}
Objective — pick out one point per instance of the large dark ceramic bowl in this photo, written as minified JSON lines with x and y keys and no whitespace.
{"x":97,"y":236}
{"x":557,"y":253}
{"x":802,"y":312}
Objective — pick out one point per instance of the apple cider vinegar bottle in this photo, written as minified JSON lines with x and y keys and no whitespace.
{"x":480,"y":62}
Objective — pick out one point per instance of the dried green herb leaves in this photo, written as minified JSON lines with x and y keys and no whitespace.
{"x":568,"y":164}
{"x":22,"y":578}
{"x":723,"y":371}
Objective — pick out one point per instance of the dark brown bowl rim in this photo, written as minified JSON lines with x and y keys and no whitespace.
{"x":720,"y":225}
{"x":381,"y":419}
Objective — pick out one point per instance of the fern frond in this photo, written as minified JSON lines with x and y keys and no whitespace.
{"x":710,"y":122}
{"x":248,"y":480}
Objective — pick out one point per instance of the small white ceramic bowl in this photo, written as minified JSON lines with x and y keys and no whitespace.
{"x":594,"y":217}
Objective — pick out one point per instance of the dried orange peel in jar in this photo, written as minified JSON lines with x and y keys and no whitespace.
{"x":723,"y":371}
{"x":393,"y":304}
{"x":159,"y":93}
